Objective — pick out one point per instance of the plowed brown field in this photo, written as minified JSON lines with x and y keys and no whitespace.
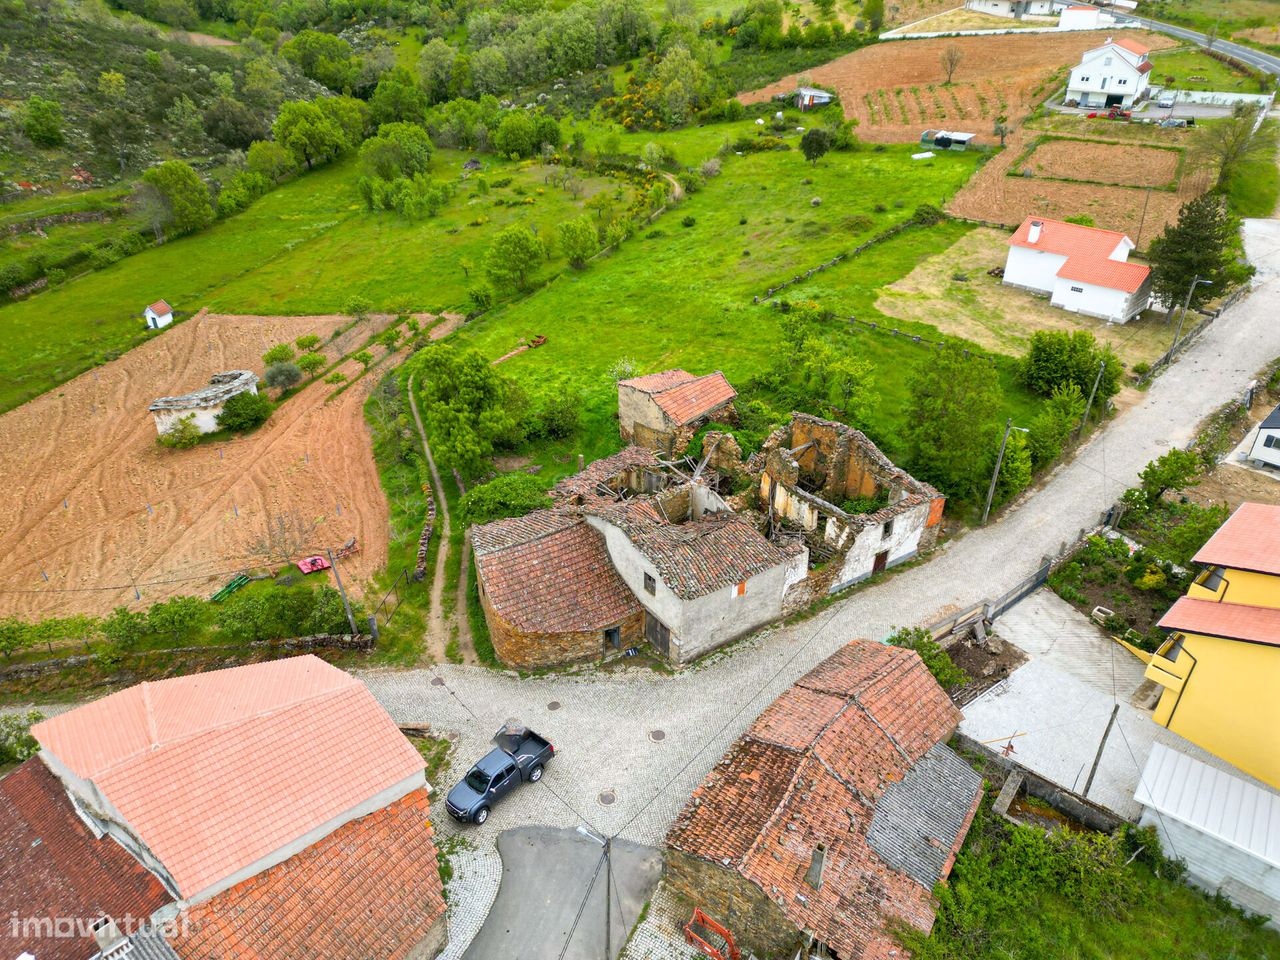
{"x":886,"y":87}
{"x":93,"y":443}
{"x":1131,"y":165}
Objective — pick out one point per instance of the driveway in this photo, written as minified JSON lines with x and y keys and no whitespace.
{"x":538,"y":909}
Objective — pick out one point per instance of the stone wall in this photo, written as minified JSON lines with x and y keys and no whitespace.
{"x":420,"y":567}
{"x":757,"y":924}
{"x":526,"y":650}
{"x":433,"y":943}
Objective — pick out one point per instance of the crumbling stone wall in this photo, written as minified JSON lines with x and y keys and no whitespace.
{"x":531,"y":650}
{"x":757,"y":923}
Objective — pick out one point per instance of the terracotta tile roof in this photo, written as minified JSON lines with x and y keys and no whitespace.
{"x":1249,"y":540}
{"x":1145,"y":66}
{"x":584,"y":486}
{"x":51,"y":865}
{"x":859,"y":741}
{"x":557,"y":578}
{"x":215,"y":771}
{"x":160,"y":307}
{"x":1231,"y":621}
{"x":1132,"y":46}
{"x":1088,"y":251}
{"x":369,"y":889}
{"x":698,"y":557}
{"x":656,"y":382}
{"x":695,"y":398}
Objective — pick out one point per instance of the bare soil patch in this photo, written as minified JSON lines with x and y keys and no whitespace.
{"x":964,"y":19}
{"x":201,"y":39}
{"x":896,"y":90}
{"x":180,"y":521}
{"x":1131,"y":165}
{"x":982,"y":309}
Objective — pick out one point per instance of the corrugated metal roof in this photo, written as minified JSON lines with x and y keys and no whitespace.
{"x":1213,"y":801}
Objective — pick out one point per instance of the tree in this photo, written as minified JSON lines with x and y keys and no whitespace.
{"x":1058,"y":357}
{"x":183,"y":435}
{"x":179,"y":618}
{"x":183,"y":197}
{"x":578,"y":240}
{"x":263,"y":85}
{"x":284,"y":536}
{"x":308,"y":341}
{"x":937,"y":660}
{"x":42,"y":122}
{"x":815,"y":143}
{"x":515,"y":135}
{"x":950,"y":58}
{"x":349,"y":116}
{"x":509,"y":495}
{"x":270,"y":159}
{"x":1054,"y":423}
{"x":435,"y":69}
{"x":1197,"y":246}
{"x":951,"y":431}
{"x":311,"y":363}
{"x":489,"y":71}
{"x":1175,"y":470}
{"x":398,"y":150}
{"x":323,"y":57}
{"x":357,"y":306}
{"x":1001,"y":128}
{"x":280,"y":353}
{"x":873,"y":13}
{"x":118,"y":138}
{"x":1015,"y":468}
{"x":398,"y":98}
{"x":186,"y":123}
{"x":245,"y":411}
{"x":111,"y":86}
{"x":310,"y":136}
{"x":363,"y":357}
{"x":1227,"y":144}
{"x":125,"y":629}
{"x":233,"y":124}
{"x":15,"y":636}
{"x":513,"y":256}
{"x":16,"y":742}
{"x":282,"y":376}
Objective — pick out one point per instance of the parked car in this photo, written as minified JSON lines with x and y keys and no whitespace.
{"x":1173,"y":122}
{"x":519,"y":756}
{"x":1165,"y":103}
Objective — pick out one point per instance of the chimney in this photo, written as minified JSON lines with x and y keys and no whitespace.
{"x":111,"y":942}
{"x":1033,"y":235}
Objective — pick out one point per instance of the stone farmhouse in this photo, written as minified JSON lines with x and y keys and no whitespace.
{"x":1082,"y":269}
{"x":1115,"y":74}
{"x":204,"y":404}
{"x":264,"y":811}
{"x":856,"y":510}
{"x":833,"y":816}
{"x":664,"y":410}
{"x":630,"y":551}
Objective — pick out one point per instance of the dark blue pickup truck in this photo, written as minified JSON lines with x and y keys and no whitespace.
{"x":519,"y":755}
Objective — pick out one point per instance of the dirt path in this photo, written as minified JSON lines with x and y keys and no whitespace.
{"x":466,"y":643}
{"x":436,"y":628}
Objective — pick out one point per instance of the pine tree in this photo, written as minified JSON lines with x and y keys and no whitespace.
{"x":1196,"y":246}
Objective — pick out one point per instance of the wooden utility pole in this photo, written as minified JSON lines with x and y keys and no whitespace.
{"x":1102,"y":365}
{"x":346,"y":604}
{"x":995,"y":475}
{"x":608,"y":899}
{"x":1101,"y":746}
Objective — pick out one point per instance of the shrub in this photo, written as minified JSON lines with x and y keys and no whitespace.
{"x":509,"y":495}
{"x":1058,"y":357}
{"x":710,"y":168}
{"x":357,"y":307}
{"x":282,"y":376}
{"x":687,"y":221}
{"x":336,"y":377}
{"x":311,"y":363}
{"x":940,"y":664}
{"x":308,"y":341}
{"x":244,"y":411}
{"x":183,"y":435}
{"x":16,"y":742}
{"x":280,"y":353}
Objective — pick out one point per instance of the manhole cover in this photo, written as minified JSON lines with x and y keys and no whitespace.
{"x":657,"y":736}
{"x":607,"y":798}
{"x":553,"y":705}
{"x":437,"y":681}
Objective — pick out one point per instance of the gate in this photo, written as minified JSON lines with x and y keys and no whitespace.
{"x":657,"y":633}
{"x":390,"y":603}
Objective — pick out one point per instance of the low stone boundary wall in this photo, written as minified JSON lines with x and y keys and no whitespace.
{"x":38,"y":223}
{"x":424,"y":541}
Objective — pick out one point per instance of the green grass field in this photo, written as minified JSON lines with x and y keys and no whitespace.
{"x":1209,"y":74}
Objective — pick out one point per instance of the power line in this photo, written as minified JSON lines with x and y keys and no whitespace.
{"x":582,"y":906}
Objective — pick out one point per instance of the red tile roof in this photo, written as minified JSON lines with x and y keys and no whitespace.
{"x":656,"y":382}
{"x":820,"y":766}
{"x":584,"y":486}
{"x":1232,"y":621}
{"x":369,"y":889}
{"x":1088,"y":251}
{"x":550,"y":574}
{"x":214,"y":771}
{"x":695,"y":398}
{"x":51,"y":865}
{"x":1132,"y":46}
{"x":160,"y":307}
{"x":1249,"y":540}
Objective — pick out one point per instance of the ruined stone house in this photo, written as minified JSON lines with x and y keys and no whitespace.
{"x":859,"y":514}
{"x":662,"y":411}
{"x":630,"y":552}
{"x":833,"y":817}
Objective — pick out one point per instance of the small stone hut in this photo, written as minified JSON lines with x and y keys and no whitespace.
{"x":205,"y":404}
{"x":664,"y":410}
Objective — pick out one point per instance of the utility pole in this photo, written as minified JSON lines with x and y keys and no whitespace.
{"x":995,"y":475}
{"x":1185,"y":306}
{"x":608,"y":899}
{"x":1142,"y":222}
{"x":346,"y":604}
{"x":1102,"y":365}
{"x":1098,"y":758}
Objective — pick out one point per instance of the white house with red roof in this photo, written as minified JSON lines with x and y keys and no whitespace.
{"x":1016,"y":9}
{"x":1082,"y":269}
{"x":1115,"y":74}
{"x":158,"y":315}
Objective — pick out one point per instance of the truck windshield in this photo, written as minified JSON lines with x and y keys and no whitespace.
{"x":477,"y":780}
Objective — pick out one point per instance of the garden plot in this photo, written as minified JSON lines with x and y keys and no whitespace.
{"x":96,"y":506}
{"x":1095,"y":161}
{"x":896,"y":90}
{"x":953,"y":291}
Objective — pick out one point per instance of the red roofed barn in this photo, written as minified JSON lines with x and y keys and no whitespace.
{"x":1082,"y":269}
{"x":231,"y":792}
{"x":664,"y":410}
{"x":834,"y":815}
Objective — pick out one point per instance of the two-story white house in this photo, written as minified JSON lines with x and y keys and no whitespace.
{"x":1112,"y":75}
{"x":1016,"y":9}
{"x":1082,"y":269}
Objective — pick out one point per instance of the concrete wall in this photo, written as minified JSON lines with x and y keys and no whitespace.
{"x":757,"y":924}
{"x":206,"y":418}
{"x":1033,"y":269}
{"x":1077,"y":296}
{"x":1218,"y":866}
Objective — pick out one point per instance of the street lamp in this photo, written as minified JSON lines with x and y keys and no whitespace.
{"x":1185,"y":304}
{"x":991,"y":490}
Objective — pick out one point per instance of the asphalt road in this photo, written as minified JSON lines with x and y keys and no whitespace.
{"x":1255,"y":58}
{"x":540,"y":913}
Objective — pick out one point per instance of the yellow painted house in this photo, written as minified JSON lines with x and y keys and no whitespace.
{"x":1220,"y":666}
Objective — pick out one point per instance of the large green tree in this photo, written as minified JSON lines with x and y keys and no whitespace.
{"x":398,"y":150}
{"x":309,"y":135}
{"x":578,"y":240}
{"x":323,"y":57}
{"x":1057,"y":357}
{"x":952,"y":428}
{"x":397,"y":98}
{"x":180,"y":202}
{"x":513,"y":256}
{"x":42,"y":122}
{"x":1197,"y":246}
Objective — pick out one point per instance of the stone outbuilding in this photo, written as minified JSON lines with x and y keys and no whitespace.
{"x":664,"y":410}
{"x":833,"y":817}
{"x":858,"y":513}
{"x":204,"y":404}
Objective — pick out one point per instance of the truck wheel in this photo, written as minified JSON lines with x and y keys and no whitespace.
{"x":482,"y":815}
{"x":535,"y":774}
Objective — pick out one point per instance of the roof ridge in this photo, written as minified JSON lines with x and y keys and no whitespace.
{"x":152,"y":732}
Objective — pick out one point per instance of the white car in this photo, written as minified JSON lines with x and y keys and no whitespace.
{"x":1165,"y":103}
